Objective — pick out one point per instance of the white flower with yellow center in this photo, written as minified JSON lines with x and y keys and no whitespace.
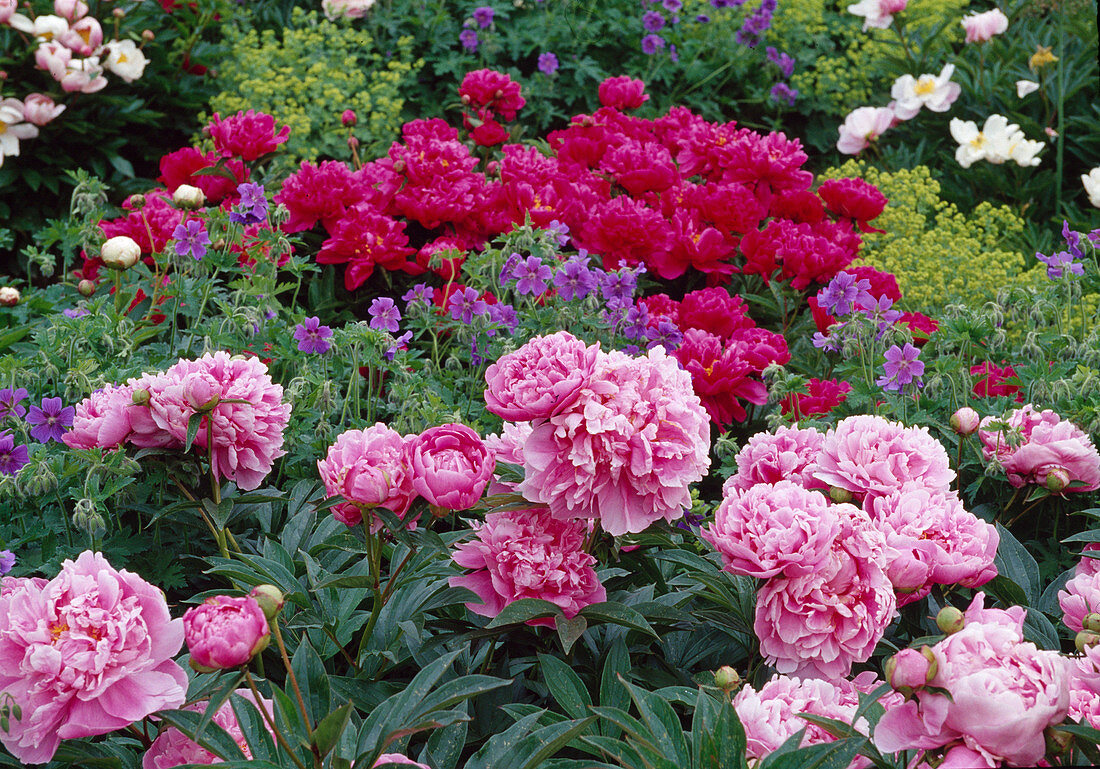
{"x":997,"y":142}
{"x":125,"y":59}
{"x":13,"y":128}
{"x":45,"y":27}
{"x":1091,"y":183}
{"x":936,"y":92}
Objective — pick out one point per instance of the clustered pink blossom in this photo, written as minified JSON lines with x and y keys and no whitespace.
{"x":1040,"y":447}
{"x":542,"y":378}
{"x":528,"y":554}
{"x":86,"y":653}
{"x":172,"y":748}
{"x":787,"y":454}
{"x":224,"y":632}
{"x":243,"y":416}
{"x":368,"y":468}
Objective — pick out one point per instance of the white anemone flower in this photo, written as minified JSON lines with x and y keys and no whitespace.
{"x":1091,"y":183}
{"x":13,"y":128}
{"x":936,"y":92}
{"x":997,"y":142}
{"x":125,"y":59}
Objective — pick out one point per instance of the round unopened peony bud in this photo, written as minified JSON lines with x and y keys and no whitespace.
{"x":120,"y":253}
{"x":270,"y":599}
{"x":353,"y":143}
{"x":148,"y":35}
{"x":1084,"y":639}
{"x":188,"y":197}
{"x":349,"y":118}
{"x":726,"y":678}
{"x":950,"y":620}
{"x":9,"y":296}
{"x":224,"y":632}
{"x":1091,"y":622}
{"x":85,"y":287}
{"x":1058,"y":479}
{"x":140,"y":397}
{"x":399,"y":167}
{"x":118,"y":13}
{"x":965,"y":421}
{"x":839,"y":495}
{"x":910,"y":669}
{"x":492,"y":168}
{"x":137,"y":202}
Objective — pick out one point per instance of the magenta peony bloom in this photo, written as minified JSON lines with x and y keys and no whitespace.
{"x":774,"y":529}
{"x":86,"y":653}
{"x":1081,"y":596}
{"x":540,"y":379}
{"x":867,"y":454}
{"x":820,"y":623}
{"x":622,"y":93}
{"x":528,"y":554}
{"x":247,"y":437}
{"x":626,"y":451}
{"x":787,"y":454}
{"x":369,"y":469}
{"x":450,"y":466}
{"x":247,"y":135}
{"x":172,"y":748}
{"x":224,"y":632}
{"x":102,"y":419}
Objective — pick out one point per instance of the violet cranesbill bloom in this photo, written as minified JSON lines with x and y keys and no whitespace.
{"x":637,"y":322}
{"x":562,"y":229}
{"x":672,"y":5}
{"x":75,"y":312}
{"x":548,"y":63}
{"x":384,"y":314}
{"x":781,"y":92}
{"x":253,"y":206}
{"x":666,"y":334}
{"x":50,"y":420}
{"x":483,"y":16}
{"x":312,"y":336}
{"x":574,"y":280}
{"x":421,"y":293}
{"x":12,"y":457}
{"x":653,"y":21}
{"x":531,"y":276}
{"x":466,"y":304}
{"x":9,"y":402}
{"x":503,"y":315}
{"x":652,"y":43}
{"x":1057,"y":263}
{"x":880,"y":312}
{"x":843,"y":293}
{"x":468,"y":38}
{"x":507,"y":272}
{"x":902,"y":368}
{"x":618,"y":287}
{"x":191,"y":238}
{"x":7,"y":561}
{"x":401,"y":343}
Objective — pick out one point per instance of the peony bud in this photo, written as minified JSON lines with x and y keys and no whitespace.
{"x":120,"y":253}
{"x":399,"y":167}
{"x":965,"y":421}
{"x":1058,"y":479}
{"x":9,"y":296}
{"x":911,"y":669}
{"x":839,"y":495}
{"x":188,"y":197}
{"x":140,"y":397}
{"x":137,"y":202}
{"x":118,"y":13}
{"x":349,"y":118}
{"x":147,"y":35}
{"x":492,"y":168}
{"x":224,"y":632}
{"x":353,"y":143}
{"x":950,"y":620}
{"x":1085,"y":638}
{"x":85,"y":287}
{"x":270,"y":599}
{"x":1091,"y":622}
{"x":726,"y":679}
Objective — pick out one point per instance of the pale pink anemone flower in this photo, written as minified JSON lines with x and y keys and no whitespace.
{"x":87,"y":653}
{"x":172,"y":748}
{"x":628,"y":449}
{"x":981,"y":27}
{"x":1003,"y":693}
{"x":788,"y":454}
{"x":862,"y":126}
{"x":870,"y":455}
{"x":935,"y":92}
{"x":821,"y":623}
{"x":931,"y":539}
{"x":528,"y":554}
{"x":540,"y":379}
{"x":774,"y":529}
{"x":1031,"y":445}
{"x":368,"y":469}
{"x":877,"y":14}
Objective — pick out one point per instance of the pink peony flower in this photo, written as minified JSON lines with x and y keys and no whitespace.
{"x":397,"y":758}
{"x":622,"y":93}
{"x":40,"y":109}
{"x":1031,"y":445}
{"x":787,"y":454}
{"x":774,"y":529}
{"x":981,"y":27}
{"x":540,"y":379}
{"x":172,"y":748}
{"x":626,"y":451}
{"x":878,"y":14}
{"x":86,"y":653}
{"x":863,"y":126}
{"x":869,"y":455}
{"x":368,"y":468}
{"x":1084,"y":693}
{"x":1081,"y":596}
{"x":529,"y":554}
{"x":1087,"y":564}
{"x":247,"y":437}
{"x":246,"y":135}
{"x":450,"y":466}
{"x":820,"y":623}
{"x":224,"y":632}
{"x":102,"y":419}
{"x":488,"y":89}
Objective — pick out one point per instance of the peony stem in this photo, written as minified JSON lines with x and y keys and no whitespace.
{"x":374,"y":556}
{"x":290,"y":674}
{"x":270,"y":721}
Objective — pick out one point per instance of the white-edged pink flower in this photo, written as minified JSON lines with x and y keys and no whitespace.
{"x":936,"y":92}
{"x":14,"y":128}
{"x":83,"y":37}
{"x":83,"y":75}
{"x":53,"y":58}
{"x":40,"y":109}
{"x":877,"y":14}
{"x":70,"y":9}
{"x":980,"y":27}
{"x":862,"y":126}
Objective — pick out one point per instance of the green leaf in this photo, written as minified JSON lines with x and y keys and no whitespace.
{"x":717,"y":736}
{"x":541,"y":744}
{"x":662,"y":722}
{"x":613,"y":694}
{"x":331,"y":727}
{"x":194,"y":422}
{"x":1017,"y":564}
{"x":523,"y":610}
{"x":569,"y":630}
{"x":566,"y":686}
{"x":617,"y":614}
{"x":829,"y":755}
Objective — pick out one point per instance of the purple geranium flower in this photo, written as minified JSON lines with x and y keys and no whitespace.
{"x":702,"y":18}
{"x":1057,"y":263}
{"x":902,"y":368}
{"x":252,"y":209}
{"x":75,"y":312}
{"x":879,"y":312}
{"x":421,"y":292}
{"x":401,"y":343}
{"x":531,"y":276}
{"x":548,"y":63}
{"x":191,"y":238}
{"x":503,"y":315}
{"x":562,"y":229}
{"x":50,"y":420}
{"x":384,"y":314}
{"x":653,"y":21}
{"x":483,"y":16}
{"x":12,"y":457}
{"x":652,"y":43}
{"x":781,"y":92}
{"x":506,"y":272}
{"x":619,"y":286}
{"x":666,"y":334}
{"x":9,"y":402}
{"x":7,"y":561}
{"x":637,"y":322}
{"x":672,"y":5}
{"x":574,"y":280}
{"x":843,"y":293}
{"x":312,"y":336}
{"x":468,"y":38}
{"x":466,"y":304}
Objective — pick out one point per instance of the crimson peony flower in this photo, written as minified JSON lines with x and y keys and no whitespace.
{"x":854,"y":198}
{"x":180,"y":167}
{"x":492,"y":90}
{"x":991,"y":380}
{"x":366,"y":239}
{"x":622,"y":93}
{"x":821,"y":397}
{"x":246,"y":135}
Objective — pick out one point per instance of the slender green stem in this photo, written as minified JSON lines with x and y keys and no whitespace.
{"x":275,"y":631}
{"x":270,"y":721}
{"x":374,"y":556}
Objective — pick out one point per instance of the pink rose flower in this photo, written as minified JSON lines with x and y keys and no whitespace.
{"x":450,"y":465}
{"x":774,"y":529}
{"x":821,"y":623}
{"x":102,"y":420}
{"x":788,"y":454}
{"x":1081,"y":596}
{"x":622,"y":93}
{"x":368,"y":468}
{"x":172,"y":748}
{"x":626,"y":451}
{"x":540,"y":379}
{"x":224,"y":632}
{"x":980,"y":27}
{"x":86,"y":653}
{"x":528,"y":554}
{"x":867,"y":454}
